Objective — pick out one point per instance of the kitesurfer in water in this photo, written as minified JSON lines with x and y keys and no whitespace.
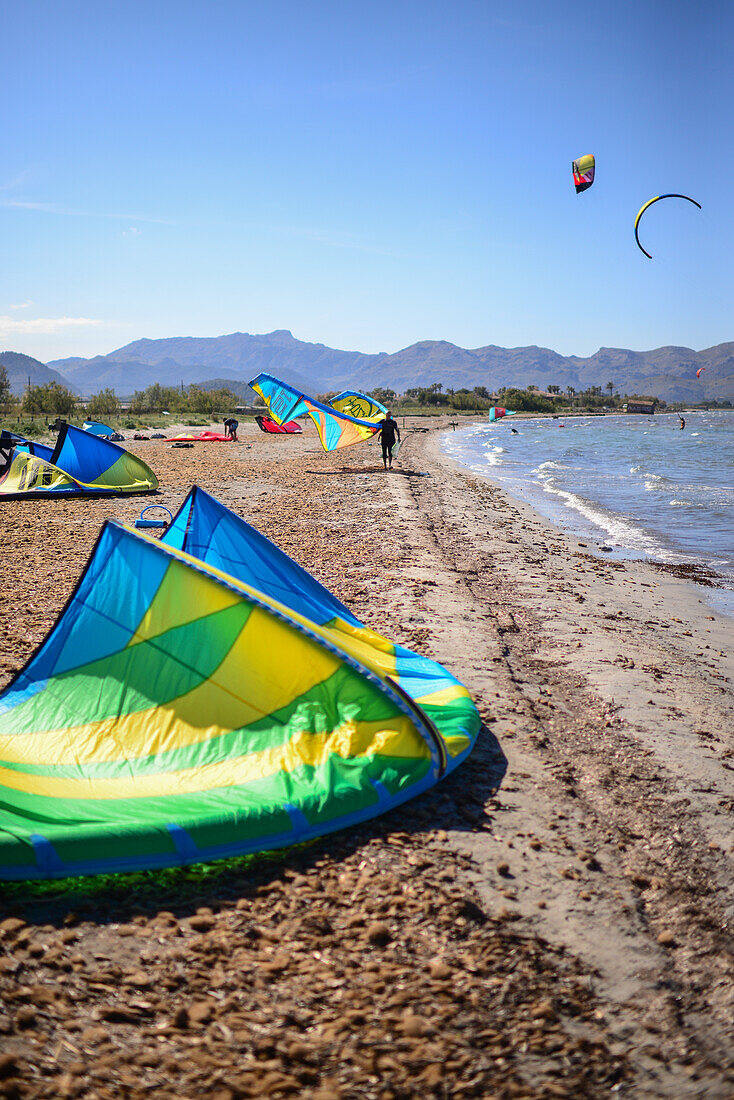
{"x":387,"y":430}
{"x":230,"y":428}
{"x":682,"y":422}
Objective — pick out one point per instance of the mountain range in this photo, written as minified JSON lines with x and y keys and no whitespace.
{"x":668,"y":372}
{"x":20,"y":368}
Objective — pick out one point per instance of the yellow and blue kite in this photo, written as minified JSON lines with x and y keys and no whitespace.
{"x":80,"y":464}
{"x":203,"y":696}
{"x":350,"y":418}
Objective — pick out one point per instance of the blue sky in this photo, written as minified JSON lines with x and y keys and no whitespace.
{"x":366,"y":174}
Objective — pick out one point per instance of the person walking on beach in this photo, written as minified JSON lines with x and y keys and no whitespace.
{"x":387,"y":430}
{"x":230,"y":428}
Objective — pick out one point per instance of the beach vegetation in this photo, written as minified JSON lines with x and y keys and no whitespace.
{"x":529,"y":400}
{"x":104,"y":403}
{"x":186,"y":399}
{"x":426,"y":395}
{"x":468,"y":401}
{"x":4,"y":387}
{"x":53,"y":399}
{"x":430,"y":399}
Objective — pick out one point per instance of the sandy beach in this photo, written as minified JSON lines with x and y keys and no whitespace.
{"x":553,"y":920}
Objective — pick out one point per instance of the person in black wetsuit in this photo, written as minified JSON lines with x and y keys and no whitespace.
{"x":388,"y":430}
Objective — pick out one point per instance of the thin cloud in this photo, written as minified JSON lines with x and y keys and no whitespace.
{"x":15,"y":181}
{"x":44,"y":325}
{"x":63,"y":212}
{"x":20,"y":305}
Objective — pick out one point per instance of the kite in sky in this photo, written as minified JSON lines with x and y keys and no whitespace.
{"x":336,"y":428}
{"x":583,"y":172}
{"x":698,"y":372}
{"x":203,"y":696}
{"x":648,"y":204}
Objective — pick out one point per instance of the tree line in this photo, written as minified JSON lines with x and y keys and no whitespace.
{"x":479,"y":399}
{"x":54,"y":399}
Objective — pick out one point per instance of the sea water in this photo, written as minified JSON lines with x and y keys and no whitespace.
{"x":639,"y":486}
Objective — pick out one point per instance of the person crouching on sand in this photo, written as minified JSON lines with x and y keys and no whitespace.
{"x":230,"y":428}
{"x":387,"y":430}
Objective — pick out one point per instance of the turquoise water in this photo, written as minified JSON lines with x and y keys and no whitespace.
{"x":634,"y":484}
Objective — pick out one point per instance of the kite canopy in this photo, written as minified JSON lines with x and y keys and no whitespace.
{"x":649,"y":202}
{"x":203,"y":697}
{"x":496,"y":413}
{"x":200,"y":437}
{"x":336,"y":428}
{"x":699,"y":371}
{"x":79,"y":465}
{"x":12,"y":437}
{"x":95,"y":428}
{"x":583,"y":172}
{"x":291,"y":427}
{"x":358,"y":404}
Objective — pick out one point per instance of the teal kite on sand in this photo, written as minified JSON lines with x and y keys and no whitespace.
{"x":203,"y":696}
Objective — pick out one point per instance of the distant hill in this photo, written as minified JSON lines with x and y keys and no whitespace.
{"x":668,"y":372}
{"x":22,"y":367}
{"x":190,"y":359}
{"x":237,"y":386}
{"x":125,"y":376}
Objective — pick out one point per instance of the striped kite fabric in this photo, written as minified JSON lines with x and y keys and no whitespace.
{"x":203,"y":696}
{"x":81,"y":464}
{"x":337,"y":424}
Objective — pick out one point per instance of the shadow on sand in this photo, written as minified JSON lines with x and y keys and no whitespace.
{"x":368,"y":470}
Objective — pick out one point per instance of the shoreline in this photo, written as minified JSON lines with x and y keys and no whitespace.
{"x":621,"y":685}
{"x":568,"y":888}
{"x":566,"y":521}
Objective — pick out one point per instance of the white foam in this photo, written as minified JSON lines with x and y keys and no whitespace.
{"x":619,"y":529}
{"x":551,"y":464}
{"x":656,"y":483}
{"x":493,"y":456}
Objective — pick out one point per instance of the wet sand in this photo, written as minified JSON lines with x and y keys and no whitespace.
{"x":553,"y":920}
